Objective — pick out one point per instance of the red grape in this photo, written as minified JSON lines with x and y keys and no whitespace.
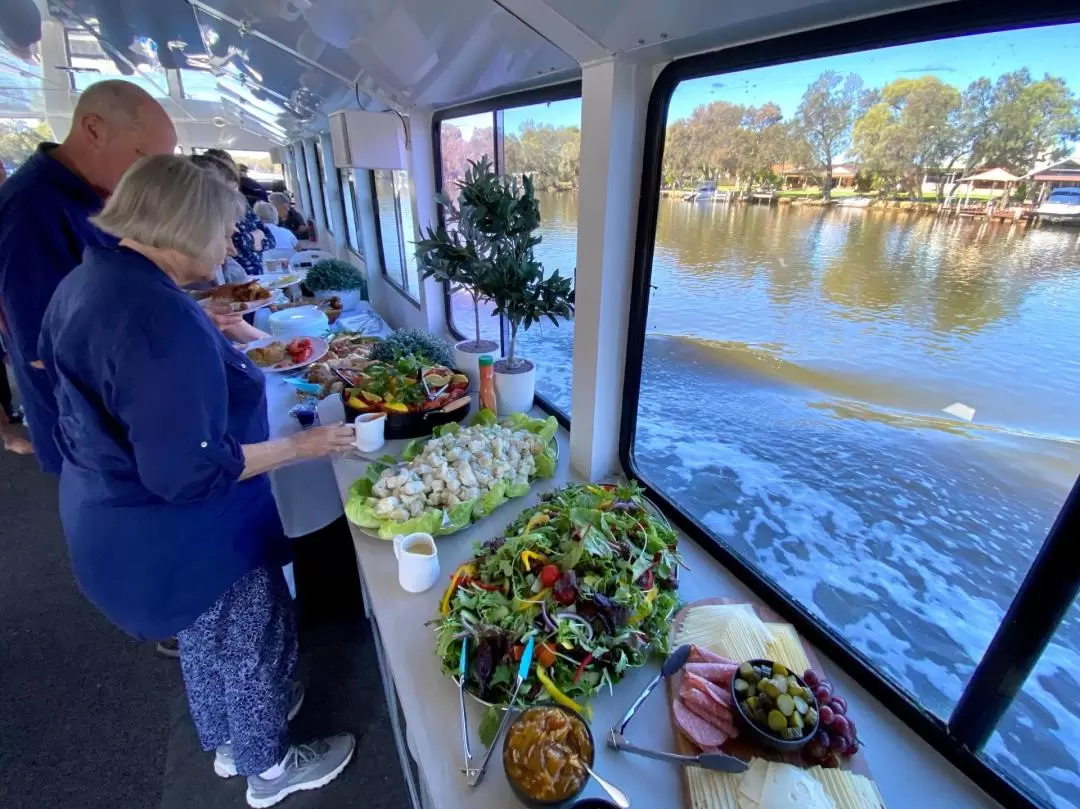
{"x":823,"y":694}
{"x":839,"y":743}
{"x":830,"y":762}
{"x":840,"y":724}
{"x":810,"y":677}
{"x":815,"y":751}
{"x":839,"y":704}
{"x":823,"y":739}
{"x":826,"y":714}
{"x":853,"y":748}
{"x":851,"y":729}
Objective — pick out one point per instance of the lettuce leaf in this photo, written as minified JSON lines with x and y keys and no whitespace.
{"x":412,"y":448}
{"x":485,"y":417}
{"x":446,"y":429}
{"x":459,"y":517}
{"x":545,"y":465}
{"x":360,"y":488}
{"x":360,"y":513}
{"x":428,"y":523}
{"x":491,"y":500}
{"x":517,"y":490}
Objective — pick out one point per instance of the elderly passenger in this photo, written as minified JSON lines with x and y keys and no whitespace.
{"x":288,"y":217}
{"x":251,"y":238}
{"x":164,"y":496}
{"x":268,"y":215}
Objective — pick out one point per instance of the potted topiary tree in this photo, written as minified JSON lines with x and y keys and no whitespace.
{"x":515,"y":283}
{"x":333,"y":278}
{"x":458,"y":253}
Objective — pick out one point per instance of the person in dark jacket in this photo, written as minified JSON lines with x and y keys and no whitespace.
{"x":251,"y":189}
{"x":164,"y":497}
{"x":44,"y":226}
{"x":288,"y":217}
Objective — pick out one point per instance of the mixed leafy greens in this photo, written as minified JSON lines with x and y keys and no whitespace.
{"x":590,"y":572}
{"x":456,"y":476}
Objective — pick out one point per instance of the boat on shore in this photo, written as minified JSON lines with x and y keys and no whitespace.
{"x":854,"y":202}
{"x":1062,"y":207}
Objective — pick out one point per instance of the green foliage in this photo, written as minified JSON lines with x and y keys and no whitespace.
{"x":824,"y":120}
{"x":404,"y":343}
{"x":18,"y":140}
{"x":333,"y":274}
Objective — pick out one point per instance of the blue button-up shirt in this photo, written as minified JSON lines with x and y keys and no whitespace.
{"x":154,"y":407}
{"x":44,"y":228}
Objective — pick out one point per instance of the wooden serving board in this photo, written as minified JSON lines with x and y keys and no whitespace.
{"x":737,"y":747}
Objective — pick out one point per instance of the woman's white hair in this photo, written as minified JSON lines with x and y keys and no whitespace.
{"x":266,"y":212}
{"x":168,"y":202}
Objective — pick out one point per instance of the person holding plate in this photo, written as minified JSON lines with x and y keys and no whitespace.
{"x":164,"y":497}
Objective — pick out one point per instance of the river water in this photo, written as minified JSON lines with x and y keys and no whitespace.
{"x":798,"y":364}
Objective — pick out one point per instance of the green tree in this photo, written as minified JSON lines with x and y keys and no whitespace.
{"x":914,"y":127}
{"x":18,"y":140}
{"x":1018,"y":123}
{"x":825,"y":118}
{"x":761,"y":143}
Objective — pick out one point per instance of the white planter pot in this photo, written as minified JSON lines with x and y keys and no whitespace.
{"x":468,"y":362}
{"x":514,"y":392}
{"x":350,"y":299}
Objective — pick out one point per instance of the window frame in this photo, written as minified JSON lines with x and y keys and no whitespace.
{"x":347,"y":188}
{"x":496,"y":105}
{"x":399,"y":285}
{"x":1049,"y":587}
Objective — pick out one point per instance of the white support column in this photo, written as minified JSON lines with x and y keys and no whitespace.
{"x":336,"y":215}
{"x":318,"y":210}
{"x":425,"y":212}
{"x":291,"y":179}
{"x":615,"y":96}
{"x":301,"y":189}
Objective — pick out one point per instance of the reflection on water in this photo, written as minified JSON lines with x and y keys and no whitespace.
{"x":810,"y":380}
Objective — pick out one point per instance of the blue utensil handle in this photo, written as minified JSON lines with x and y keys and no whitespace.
{"x":526,"y":661}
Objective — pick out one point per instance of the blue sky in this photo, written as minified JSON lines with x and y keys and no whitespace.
{"x":958,"y":61}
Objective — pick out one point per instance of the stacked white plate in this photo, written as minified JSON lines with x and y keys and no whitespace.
{"x":300,"y":321}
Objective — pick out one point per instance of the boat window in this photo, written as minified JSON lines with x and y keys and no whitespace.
{"x":91,"y":64}
{"x":319,"y":164}
{"x":462,"y":139}
{"x":396,"y":233}
{"x":872,"y":406}
{"x":542,"y":140}
{"x":347,"y":179}
{"x":19,"y":138}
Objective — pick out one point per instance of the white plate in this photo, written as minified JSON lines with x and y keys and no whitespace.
{"x":250,"y":306}
{"x":280,"y":280}
{"x":319,"y":348}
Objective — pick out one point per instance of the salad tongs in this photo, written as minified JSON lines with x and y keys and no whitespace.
{"x":475,"y":775}
{"x":463,"y":666}
{"x":720,"y":762}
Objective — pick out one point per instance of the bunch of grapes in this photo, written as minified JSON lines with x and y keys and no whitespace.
{"x":835,"y":735}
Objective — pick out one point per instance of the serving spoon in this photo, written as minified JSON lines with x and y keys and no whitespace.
{"x":613,"y":791}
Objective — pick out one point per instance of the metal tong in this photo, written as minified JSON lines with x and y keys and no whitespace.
{"x":474,"y":776}
{"x":721,"y":762}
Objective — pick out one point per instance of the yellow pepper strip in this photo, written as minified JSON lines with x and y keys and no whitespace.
{"x":459,"y":574}
{"x":535,"y":521}
{"x":559,"y":696}
{"x":526,"y":603}
{"x":646,"y":608}
{"x":526,"y":556}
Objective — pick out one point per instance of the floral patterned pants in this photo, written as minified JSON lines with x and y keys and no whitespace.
{"x":238,"y":660}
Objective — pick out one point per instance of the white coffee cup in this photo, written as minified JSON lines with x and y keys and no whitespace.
{"x":418,"y":561}
{"x":370,"y":431}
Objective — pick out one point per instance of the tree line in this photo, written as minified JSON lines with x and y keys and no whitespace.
{"x":897,"y":134}
{"x":549,"y":153}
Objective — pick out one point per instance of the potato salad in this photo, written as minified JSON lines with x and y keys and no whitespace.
{"x":457,"y":475}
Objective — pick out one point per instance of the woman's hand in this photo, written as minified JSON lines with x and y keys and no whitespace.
{"x":322,"y":441}
{"x":223,"y":316}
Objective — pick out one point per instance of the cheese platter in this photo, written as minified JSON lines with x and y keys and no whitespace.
{"x":726,"y":700}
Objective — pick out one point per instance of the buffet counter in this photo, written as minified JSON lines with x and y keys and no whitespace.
{"x":424,"y":703}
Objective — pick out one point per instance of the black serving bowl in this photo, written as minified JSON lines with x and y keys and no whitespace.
{"x":518,"y":791}
{"x":412,"y":425}
{"x":592,"y":803}
{"x":763,"y":737}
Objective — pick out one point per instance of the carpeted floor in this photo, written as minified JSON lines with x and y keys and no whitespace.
{"x":91,"y":719}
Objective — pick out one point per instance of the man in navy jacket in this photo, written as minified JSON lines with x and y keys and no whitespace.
{"x":44,"y":227}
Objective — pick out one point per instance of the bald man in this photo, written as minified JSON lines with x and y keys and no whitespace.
{"x":44,"y":227}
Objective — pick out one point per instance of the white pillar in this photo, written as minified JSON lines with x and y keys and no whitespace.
{"x":425,"y":212}
{"x":615,"y":96}
{"x":318,"y":210}
{"x":303,"y":198}
{"x":335,"y":217}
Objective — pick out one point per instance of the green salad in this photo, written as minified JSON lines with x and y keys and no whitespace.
{"x":590,"y":573}
{"x":458,"y":475}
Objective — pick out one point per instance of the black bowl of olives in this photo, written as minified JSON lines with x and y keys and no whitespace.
{"x":775,"y":707}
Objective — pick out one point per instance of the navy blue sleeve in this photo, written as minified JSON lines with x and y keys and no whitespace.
{"x":35,"y":254}
{"x":168,"y":388}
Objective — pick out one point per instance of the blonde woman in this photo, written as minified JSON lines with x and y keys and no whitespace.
{"x":164,"y":496}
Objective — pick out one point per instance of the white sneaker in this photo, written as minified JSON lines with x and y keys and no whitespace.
{"x":225,"y":764}
{"x":307,"y":766}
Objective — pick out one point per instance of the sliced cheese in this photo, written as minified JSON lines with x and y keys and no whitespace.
{"x":790,"y":787}
{"x":787,"y":648}
{"x":752,"y":782}
{"x":711,"y":790}
{"x":730,"y":630}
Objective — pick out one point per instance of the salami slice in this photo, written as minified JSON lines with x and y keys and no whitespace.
{"x":696,"y":729}
{"x":720,"y":673}
{"x":721,"y":695}
{"x":703,"y":706}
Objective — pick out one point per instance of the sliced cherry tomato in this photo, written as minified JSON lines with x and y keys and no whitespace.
{"x":545,"y":654}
